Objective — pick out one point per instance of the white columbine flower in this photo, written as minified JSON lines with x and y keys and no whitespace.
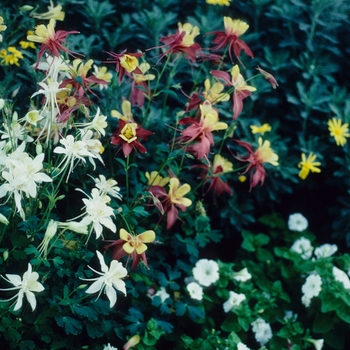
{"x":162,"y":294}
{"x":325,"y":250}
{"x":109,"y":347}
{"x":241,"y":346}
{"x":206,"y":272}
{"x":49,"y":234}
{"x":98,"y":212}
{"x":312,"y":286}
{"x":303,"y":247}
{"x":26,"y":286}
{"x":233,"y":301}
{"x":108,"y":187}
{"x":297,"y":222}
{"x":195,"y":290}
{"x":111,"y":279}
{"x":341,"y":276}
{"x":262,"y":331}
{"x":242,"y":275}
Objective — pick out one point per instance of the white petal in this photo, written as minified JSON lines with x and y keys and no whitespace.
{"x":112,"y":295}
{"x":96,"y":286}
{"x":31,"y":299}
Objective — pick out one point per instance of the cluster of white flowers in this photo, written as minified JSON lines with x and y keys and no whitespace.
{"x":262,"y":331}
{"x":303,"y":247}
{"x":311,"y":288}
{"x":297,"y":222}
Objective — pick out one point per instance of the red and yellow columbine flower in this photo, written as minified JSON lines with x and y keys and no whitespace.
{"x":263,"y":154}
{"x":182,"y":42}
{"x":132,"y":245}
{"x":128,"y":135}
{"x":200,"y":132}
{"x":125,"y":62}
{"x":308,"y":164}
{"x":154,"y":179}
{"x":242,"y":90}
{"x":338,"y":130}
{"x":50,"y":40}
{"x":260,"y":129}
{"x":127,"y":115}
{"x":102,"y":74}
{"x":174,"y":198}
{"x":233,"y":30}
{"x":269,"y":77}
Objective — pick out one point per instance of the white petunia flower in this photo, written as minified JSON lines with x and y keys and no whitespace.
{"x":195,"y":290}
{"x":303,"y":247}
{"x":262,"y":331}
{"x":110,"y":280}
{"x":297,"y":222}
{"x":241,"y":346}
{"x":341,"y":276}
{"x":325,"y":250}
{"x":206,"y":272}
{"x":233,"y":301}
{"x":162,"y":294}
{"x":242,"y":275}
{"x":312,"y":286}
{"x":318,"y":343}
{"x":26,"y":286}
{"x":306,"y":300}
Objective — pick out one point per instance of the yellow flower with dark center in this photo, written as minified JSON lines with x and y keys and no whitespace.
{"x":221,"y":165}
{"x":308,"y":164}
{"x":128,"y":133}
{"x":338,"y":130}
{"x":129,"y":63}
{"x":260,"y":129}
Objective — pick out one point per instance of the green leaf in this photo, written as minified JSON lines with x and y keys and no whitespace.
{"x":86,"y":311}
{"x":180,"y":308}
{"x":94,"y":330}
{"x":329,"y":302}
{"x":230,"y":324}
{"x":344,"y":313}
{"x":196,"y":313}
{"x":70,"y":325}
{"x":323,"y":323}
{"x":26,"y":344}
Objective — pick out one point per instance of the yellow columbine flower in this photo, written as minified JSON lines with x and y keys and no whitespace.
{"x":43,"y":34}
{"x":144,"y":67}
{"x":136,"y":243}
{"x":210,"y":118}
{"x":265,"y":154}
{"x":219,"y":2}
{"x":308,"y":165}
{"x":214,"y":93}
{"x":127,"y":115}
{"x":235,"y":26}
{"x":80,"y":68}
{"x":338,"y":131}
{"x":128,"y":133}
{"x":260,"y":129}
{"x":129,"y":63}
{"x":221,"y":165}
{"x":102,"y":73}
{"x":191,"y":33}
{"x":238,"y":80}
{"x":177,"y":192}
{"x":55,"y":12}
{"x":154,"y":179}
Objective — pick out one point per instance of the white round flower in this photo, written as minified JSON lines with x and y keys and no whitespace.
{"x":233,"y":301}
{"x":241,"y":346}
{"x":341,"y":276}
{"x":312,"y":286}
{"x":325,"y":250}
{"x":262,"y":331}
{"x":297,"y":222}
{"x":306,"y":301}
{"x":195,"y":290}
{"x":206,"y":272}
{"x":242,"y":275}
{"x":303,"y":247}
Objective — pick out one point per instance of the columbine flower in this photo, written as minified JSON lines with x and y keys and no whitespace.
{"x":125,"y":62}
{"x":263,"y":154}
{"x":195,"y":290}
{"x":312,"y":286}
{"x":325,"y":250}
{"x":132,"y":245}
{"x":338,"y":130}
{"x":2,"y":27}
{"x":260,"y":129}
{"x":49,"y":39}
{"x":297,"y":222}
{"x":241,"y":346}
{"x":174,"y":198}
{"x":55,"y":12}
{"x":128,"y":135}
{"x":341,"y":276}
{"x":98,"y":212}
{"x":269,"y":77}
{"x":111,"y":279}
{"x":127,"y":115}
{"x":102,"y":73}
{"x":108,"y":187}
{"x":26,"y":286}
{"x":49,"y":234}
{"x":233,"y":301}
{"x":154,"y":179}
{"x":206,"y":272}
{"x":303,"y":247}
{"x":308,"y":164}
{"x":262,"y":331}
{"x":318,"y":343}
{"x":233,"y":30}
{"x":242,"y":90}
{"x":242,"y":276}
{"x":201,"y":132}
